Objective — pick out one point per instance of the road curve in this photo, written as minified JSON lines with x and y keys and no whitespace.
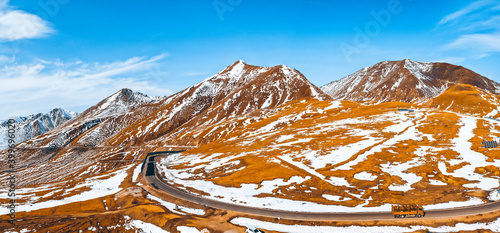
{"x":152,"y":177}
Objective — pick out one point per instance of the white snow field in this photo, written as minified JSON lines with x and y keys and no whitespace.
{"x":144,"y":227}
{"x":98,"y":188}
{"x":172,"y":207}
{"x":185,"y":229}
{"x":252,"y":223}
{"x":475,"y":159}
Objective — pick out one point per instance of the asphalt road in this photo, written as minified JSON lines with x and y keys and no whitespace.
{"x":154,"y":180}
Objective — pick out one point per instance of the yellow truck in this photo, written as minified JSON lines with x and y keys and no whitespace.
{"x":411,"y":211}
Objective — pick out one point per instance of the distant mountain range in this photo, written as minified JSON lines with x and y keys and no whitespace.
{"x":34,"y":125}
{"x":230,"y":100}
{"x":132,"y":118}
{"x":231,"y":97}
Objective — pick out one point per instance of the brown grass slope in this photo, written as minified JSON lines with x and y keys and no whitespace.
{"x":306,"y":129}
{"x":467,"y":99}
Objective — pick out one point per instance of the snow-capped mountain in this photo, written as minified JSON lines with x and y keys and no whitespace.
{"x":79,"y":142}
{"x":98,"y":122}
{"x":236,"y":91}
{"x":117,"y":104}
{"x":405,"y":81}
{"x":34,"y":125}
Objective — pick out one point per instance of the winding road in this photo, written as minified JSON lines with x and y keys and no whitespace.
{"x":152,"y":178}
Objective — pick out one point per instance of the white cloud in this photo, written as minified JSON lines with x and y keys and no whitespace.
{"x":16,"y":24}
{"x":466,"y":10}
{"x":478,"y":42}
{"x":43,"y":85}
{"x":5,"y":59}
{"x":477,"y":25}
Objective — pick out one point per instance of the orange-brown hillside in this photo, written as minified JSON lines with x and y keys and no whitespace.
{"x":344,"y":154}
{"x":467,"y":99}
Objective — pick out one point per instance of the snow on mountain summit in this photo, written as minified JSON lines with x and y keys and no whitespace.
{"x":34,"y":125}
{"x":117,"y":104}
{"x":97,"y":123}
{"x":236,"y":91}
{"x":406,"y":81}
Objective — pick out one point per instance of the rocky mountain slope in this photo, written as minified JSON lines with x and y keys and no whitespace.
{"x":405,"y":81}
{"x":238,"y":90}
{"x":34,"y":125}
{"x":95,"y":124}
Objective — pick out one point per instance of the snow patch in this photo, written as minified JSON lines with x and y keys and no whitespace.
{"x":184,"y":229}
{"x":365,"y":176}
{"x":252,"y":223}
{"x":98,"y":188}
{"x":175,"y":208}
{"x":335,"y":198}
{"x":144,"y":227}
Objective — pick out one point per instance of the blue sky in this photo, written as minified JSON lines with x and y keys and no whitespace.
{"x":74,"y":53}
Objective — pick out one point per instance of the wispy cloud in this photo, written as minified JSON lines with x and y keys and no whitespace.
{"x":16,"y":24}
{"x":466,"y":10}
{"x":42,"y":85}
{"x":475,"y":29}
{"x":481,"y":42}
{"x":5,"y":59}
{"x":485,"y":24}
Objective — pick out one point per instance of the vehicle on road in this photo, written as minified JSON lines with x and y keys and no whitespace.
{"x":411,"y":211}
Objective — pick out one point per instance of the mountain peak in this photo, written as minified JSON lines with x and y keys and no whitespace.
{"x":233,"y":71}
{"x":285,"y":67}
{"x":240,"y":61}
{"x":116,"y":104}
{"x":408,"y":61}
{"x":126,"y":94}
{"x":60,"y":111}
{"x":241,"y":72}
{"x":125,"y":91}
{"x":405,"y":81}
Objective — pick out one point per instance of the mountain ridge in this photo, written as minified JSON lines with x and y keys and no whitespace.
{"x":35,"y":124}
{"x":237,"y":90}
{"x":405,"y":81}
